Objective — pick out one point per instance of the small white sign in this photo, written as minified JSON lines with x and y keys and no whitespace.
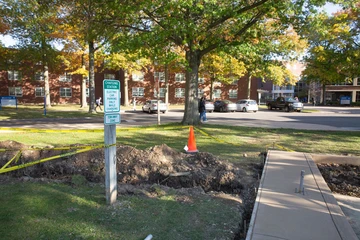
{"x":112,"y":118}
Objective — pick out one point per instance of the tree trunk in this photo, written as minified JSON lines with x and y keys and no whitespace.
{"x":191,"y":113}
{"x":47,"y":85}
{"x":212,"y":80}
{"x":126,"y":89}
{"x":91,"y":77}
{"x":249,"y":87}
{"x":83,"y":86}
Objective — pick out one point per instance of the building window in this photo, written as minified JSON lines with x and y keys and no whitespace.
{"x":179,"y":92}
{"x":65,"y":92}
{"x":137,"y":92}
{"x":39,"y":76}
{"x":109,"y":76}
{"x":39,"y":92}
{"x":14,"y":75}
{"x":159,"y":76}
{"x":65,"y":77}
{"x":15,"y":91}
{"x":138,"y":76}
{"x":201,"y":80}
{"x":217,"y":93}
{"x":233,"y":93}
{"x":200,"y":92}
{"x":162,"y":92}
{"x":179,"y":77}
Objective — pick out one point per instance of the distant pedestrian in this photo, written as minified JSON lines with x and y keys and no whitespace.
{"x":313,"y":101}
{"x":202,"y":109}
{"x":296,"y":99}
{"x":98,"y":104}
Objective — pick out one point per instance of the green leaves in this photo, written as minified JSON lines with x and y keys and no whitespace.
{"x":334,"y":47}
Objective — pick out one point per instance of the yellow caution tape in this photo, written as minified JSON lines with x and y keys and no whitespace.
{"x":13,"y":168}
{"x":279,"y":147}
{"x":57,"y":148}
{"x":17,"y":156}
{"x":50,"y":130}
{"x":84,"y":130}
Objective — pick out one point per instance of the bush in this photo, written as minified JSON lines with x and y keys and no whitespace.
{"x":355,"y":104}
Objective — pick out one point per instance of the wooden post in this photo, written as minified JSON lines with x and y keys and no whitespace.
{"x":110,"y":163}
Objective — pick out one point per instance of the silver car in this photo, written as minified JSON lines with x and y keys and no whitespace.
{"x":245,"y":105}
{"x":151,"y":106}
{"x":209,"y":106}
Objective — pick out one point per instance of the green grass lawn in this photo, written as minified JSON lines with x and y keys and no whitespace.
{"x":58,"y":111}
{"x":40,"y":210}
{"x":58,"y":211}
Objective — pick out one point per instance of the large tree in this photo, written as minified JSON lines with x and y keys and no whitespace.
{"x":94,"y":23}
{"x":33,"y":23}
{"x":201,"y":26}
{"x":334,"y":53}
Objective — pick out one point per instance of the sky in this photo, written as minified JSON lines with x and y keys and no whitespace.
{"x":9,"y":41}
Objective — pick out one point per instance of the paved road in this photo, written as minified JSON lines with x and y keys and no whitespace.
{"x":327,"y":118}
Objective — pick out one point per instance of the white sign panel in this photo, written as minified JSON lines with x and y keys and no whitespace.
{"x":111,"y":96}
{"x":112,"y":118}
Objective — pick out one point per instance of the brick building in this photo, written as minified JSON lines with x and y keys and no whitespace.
{"x":66,"y":88}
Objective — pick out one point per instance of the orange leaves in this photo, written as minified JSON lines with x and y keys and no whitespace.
{"x":3,"y":26}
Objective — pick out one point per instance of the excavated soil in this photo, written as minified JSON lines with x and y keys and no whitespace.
{"x":343,"y":179}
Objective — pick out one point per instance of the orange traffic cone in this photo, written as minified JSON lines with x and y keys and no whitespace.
{"x":191,"y":146}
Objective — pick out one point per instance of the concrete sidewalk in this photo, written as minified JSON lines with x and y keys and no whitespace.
{"x":280,"y":212}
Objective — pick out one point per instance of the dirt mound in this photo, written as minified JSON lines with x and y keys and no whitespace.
{"x":12,"y":145}
{"x":159,"y":164}
{"x":343,"y":179}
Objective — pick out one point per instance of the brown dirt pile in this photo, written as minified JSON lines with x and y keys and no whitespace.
{"x":343,"y":179}
{"x":159,"y":164}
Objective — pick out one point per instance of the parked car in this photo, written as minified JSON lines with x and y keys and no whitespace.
{"x":245,"y":105}
{"x":288,"y":104}
{"x":151,"y":106}
{"x":209,"y":106}
{"x":224,"y":106}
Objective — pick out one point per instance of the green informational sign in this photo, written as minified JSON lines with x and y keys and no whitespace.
{"x":111,"y":96}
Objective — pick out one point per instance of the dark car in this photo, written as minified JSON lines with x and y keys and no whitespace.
{"x":224,"y":106}
{"x":288,"y":104}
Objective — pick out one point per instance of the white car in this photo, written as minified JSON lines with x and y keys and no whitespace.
{"x":246,"y":105}
{"x":209,"y":106}
{"x":151,"y":106}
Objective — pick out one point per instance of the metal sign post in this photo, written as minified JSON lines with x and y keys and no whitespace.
{"x":111,"y":118}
